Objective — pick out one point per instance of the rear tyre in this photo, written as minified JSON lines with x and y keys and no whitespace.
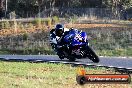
{"x":61,"y":57}
{"x":91,"y":55}
{"x":71,"y":58}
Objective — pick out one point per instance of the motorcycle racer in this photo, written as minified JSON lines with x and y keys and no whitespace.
{"x":71,"y":44}
{"x":56,"y":37}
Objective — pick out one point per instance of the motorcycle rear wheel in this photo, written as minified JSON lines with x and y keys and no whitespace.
{"x":71,"y":58}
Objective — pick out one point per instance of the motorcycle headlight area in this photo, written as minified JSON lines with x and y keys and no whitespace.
{"x":80,"y":39}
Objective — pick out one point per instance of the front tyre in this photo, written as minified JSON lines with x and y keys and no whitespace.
{"x":91,"y":55}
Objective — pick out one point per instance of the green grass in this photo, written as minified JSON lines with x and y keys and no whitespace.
{"x":44,"y":75}
{"x":119,"y":52}
{"x":4,"y":52}
{"x":34,"y":75}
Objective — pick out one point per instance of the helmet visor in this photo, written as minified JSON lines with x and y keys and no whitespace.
{"x":59,"y":32}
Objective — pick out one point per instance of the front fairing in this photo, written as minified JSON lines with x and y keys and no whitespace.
{"x":76,"y":38}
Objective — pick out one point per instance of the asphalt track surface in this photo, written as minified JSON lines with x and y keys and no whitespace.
{"x":119,"y":62}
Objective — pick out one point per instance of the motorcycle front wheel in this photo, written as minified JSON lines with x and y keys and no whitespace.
{"x":91,"y":55}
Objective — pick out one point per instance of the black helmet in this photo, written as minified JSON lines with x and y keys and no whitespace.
{"x":59,"y":29}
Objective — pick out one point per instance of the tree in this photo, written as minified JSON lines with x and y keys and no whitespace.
{"x":117,"y":6}
{"x":27,"y":8}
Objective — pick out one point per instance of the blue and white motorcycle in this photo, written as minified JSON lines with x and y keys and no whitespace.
{"x":76,"y":46}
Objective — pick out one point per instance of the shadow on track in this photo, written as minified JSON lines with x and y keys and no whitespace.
{"x":41,"y":61}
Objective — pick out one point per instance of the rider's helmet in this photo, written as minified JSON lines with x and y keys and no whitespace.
{"x":59,"y":30}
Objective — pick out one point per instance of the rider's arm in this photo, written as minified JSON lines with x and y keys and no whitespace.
{"x":62,"y":41}
{"x":52,"y":37}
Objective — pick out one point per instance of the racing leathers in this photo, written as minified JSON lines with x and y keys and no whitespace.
{"x":57,"y":42}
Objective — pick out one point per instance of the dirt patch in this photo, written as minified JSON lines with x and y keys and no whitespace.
{"x":5,"y":32}
{"x":92,"y":25}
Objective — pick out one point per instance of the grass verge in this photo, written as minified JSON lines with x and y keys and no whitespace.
{"x":44,"y":75}
{"x":117,"y":52}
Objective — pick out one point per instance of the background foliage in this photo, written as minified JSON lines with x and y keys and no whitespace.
{"x":31,"y":8}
